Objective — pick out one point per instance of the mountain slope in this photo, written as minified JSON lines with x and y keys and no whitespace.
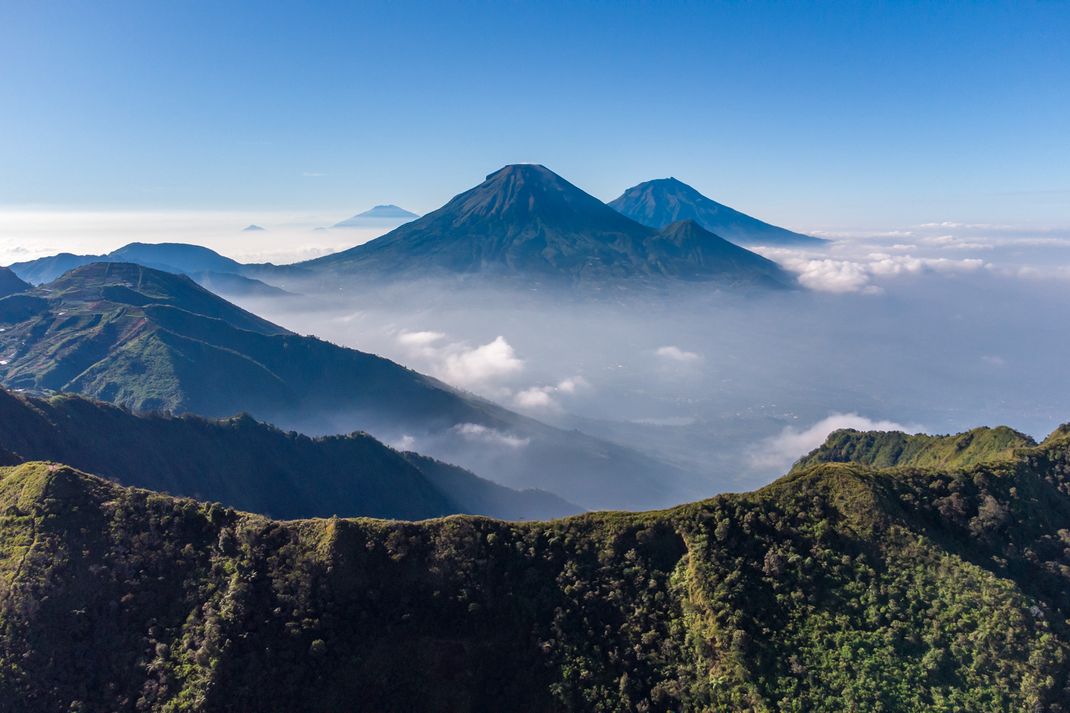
{"x":151,"y":340}
{"x":10,"y":283}
{"x":664,"y":201}
{"x":525,"y":220}
{"x":892,"y":448}
{"x":841,"y":587}
{"x":248,"y":465}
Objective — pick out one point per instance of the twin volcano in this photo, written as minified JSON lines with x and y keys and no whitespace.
{"x":666,"y":200}
{"x":526,"y":220}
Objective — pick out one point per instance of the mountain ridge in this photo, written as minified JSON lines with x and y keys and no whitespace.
{"x":839,"y":586}
{"x":251,"y":466}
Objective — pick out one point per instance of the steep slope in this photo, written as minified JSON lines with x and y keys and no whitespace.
{"x":251,"y":466}
{"x":666,"y":200}
{"x":891,"y":448}
{"x":838,"y":588}
{"x":526,"y":221}
{"x":10,"y":283}
{"x":151,"y":340}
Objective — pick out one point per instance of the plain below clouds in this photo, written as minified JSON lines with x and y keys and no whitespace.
{"x":778,"y":453}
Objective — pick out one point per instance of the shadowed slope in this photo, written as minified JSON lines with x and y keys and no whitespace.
{"x":525,"y":220}
{"x":251,"y":466}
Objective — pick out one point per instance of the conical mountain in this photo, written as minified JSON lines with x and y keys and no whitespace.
{"x":666,"y":200}
{"x":523,"y":220}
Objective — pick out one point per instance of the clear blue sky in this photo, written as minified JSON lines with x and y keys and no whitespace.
{"x":810,"y":114}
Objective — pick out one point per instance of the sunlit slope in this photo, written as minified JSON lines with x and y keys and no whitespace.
{"x":890,"y":448}
{"x":840,"y":587}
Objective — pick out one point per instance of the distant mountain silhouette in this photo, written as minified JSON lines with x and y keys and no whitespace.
{"x":666,"y":200}
{"x":254,"y":228}
{"x":525,"y":220}
{"x":181,"y":258}
{"x":378,"y":213}
{"x":206,"y":267}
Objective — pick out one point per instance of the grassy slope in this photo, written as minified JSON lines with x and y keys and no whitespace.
{"x":840,"y":587}
{"x":884,"y":449}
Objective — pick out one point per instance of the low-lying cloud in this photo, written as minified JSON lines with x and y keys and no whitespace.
{"x":485,"y":434}
{"x":676,"y":354}
{"x":543,"y":397}
{"x":476,"y":368}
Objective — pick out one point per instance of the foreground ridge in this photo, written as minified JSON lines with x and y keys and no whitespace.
{"x":838,"y":587}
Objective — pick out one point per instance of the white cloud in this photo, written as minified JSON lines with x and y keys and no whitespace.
{"x":542,"y":397}
{"x":777,"y":453}
{"x":474,"y":367}
{"x":857,"y":273}
{"x":479,"y":368}
{"x":405,"y":443}
{"x":419,"y":339}
{"x":826,"y":275}
{"x":484,"y":434}
{"x":536,"y":397}
{"x":674,"y":353}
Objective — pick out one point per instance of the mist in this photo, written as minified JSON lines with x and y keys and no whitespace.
{"x":934,"y":335}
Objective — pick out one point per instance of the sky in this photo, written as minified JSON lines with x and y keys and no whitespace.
{"x":825,"y":116}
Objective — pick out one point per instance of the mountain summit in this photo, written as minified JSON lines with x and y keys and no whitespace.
{"x":525,"y":220}
{"x":666,"y":200}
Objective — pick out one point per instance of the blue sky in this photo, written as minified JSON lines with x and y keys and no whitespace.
{"x":810,"y":115}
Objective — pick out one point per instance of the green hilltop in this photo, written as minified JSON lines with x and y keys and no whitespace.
{"x":884,"y":449}
{"x":841,"y":587}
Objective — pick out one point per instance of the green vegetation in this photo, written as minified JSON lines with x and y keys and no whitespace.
{"x":885,"y":449}
{"x":252,"y":466}
{"x":841,"y":587}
